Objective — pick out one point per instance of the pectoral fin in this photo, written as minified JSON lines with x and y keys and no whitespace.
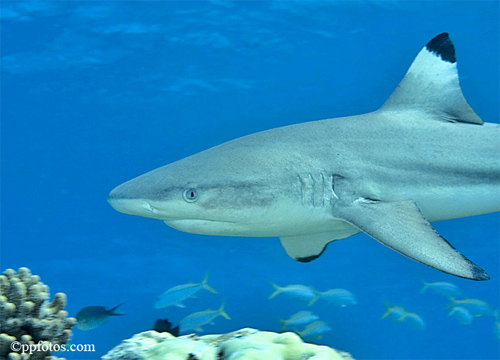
{"x":308,"y":247}
{"x":402,"y":227}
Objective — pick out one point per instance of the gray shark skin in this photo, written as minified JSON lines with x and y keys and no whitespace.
{"x":423,"y":156}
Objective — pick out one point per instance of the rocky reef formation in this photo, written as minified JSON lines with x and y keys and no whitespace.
{"x":244,"y":344}
{"x":28,"y":319}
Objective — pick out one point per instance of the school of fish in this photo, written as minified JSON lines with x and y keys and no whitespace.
{"x":464,"y":310}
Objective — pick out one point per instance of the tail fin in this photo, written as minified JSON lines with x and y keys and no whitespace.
{"x":277,"y":290}
{"x":387,"y":313}
{"x":388,"y":308}
{"x":314,"y":299}
{"x":452,"y":311}
{"x":451,"y":304}
{"x":424,"y":287}
{"x":283,"y":325}
{"x":431,"y":84}
{"x":402,"y":318}
{"x":206,"y":286}
{"x":111,"y":312}
{"x":222,"y":312}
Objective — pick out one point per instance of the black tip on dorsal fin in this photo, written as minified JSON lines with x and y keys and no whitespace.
{"x":442,"y":46}
{"x":431,"y":84}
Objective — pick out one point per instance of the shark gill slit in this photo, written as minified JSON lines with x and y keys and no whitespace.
{"x":316,"y":190}
{"x":301,"y":189}
{"x":331,"y":185}
{"x":306,"y":183}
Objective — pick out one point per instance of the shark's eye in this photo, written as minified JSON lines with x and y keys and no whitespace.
{"x":190,"y":195}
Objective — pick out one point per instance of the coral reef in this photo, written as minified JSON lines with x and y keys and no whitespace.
{"x":28,"y":318}
{"x":244,"y":344}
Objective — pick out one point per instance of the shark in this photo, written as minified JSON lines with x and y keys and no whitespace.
{"x":424,"y":156}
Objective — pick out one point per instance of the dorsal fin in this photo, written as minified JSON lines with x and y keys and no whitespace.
{"x":431,"y":84}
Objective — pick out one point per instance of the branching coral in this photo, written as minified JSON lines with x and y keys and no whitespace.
{"x":28,"y":318}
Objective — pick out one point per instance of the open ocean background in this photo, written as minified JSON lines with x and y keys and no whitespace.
{"x":94,"y":93}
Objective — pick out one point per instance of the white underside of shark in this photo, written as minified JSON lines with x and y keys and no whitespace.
{"x":423,"y":156}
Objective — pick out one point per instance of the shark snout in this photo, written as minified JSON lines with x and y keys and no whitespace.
{"x":131,"y":206}
{"x":124,"y":203}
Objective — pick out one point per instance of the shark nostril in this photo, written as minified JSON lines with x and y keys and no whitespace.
{"x":116,"y":194}
{"x":112,"y":196}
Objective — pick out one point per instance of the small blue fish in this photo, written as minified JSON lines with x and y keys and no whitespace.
{"x":92,"y":317}
{"x":314,"y":330}
{"x":339,"y":297}
{"x":196,"y":320}
{"x":394,"y":311}
{"x":301,"y":292}
{"x":401,"y":315}
{"x":298,"y":319}
{"x":463,"y":315}
{"x":443,"y":288}
{"x":177,"y":294}
{"x":476,"y":307}
{"x":414,"y":319}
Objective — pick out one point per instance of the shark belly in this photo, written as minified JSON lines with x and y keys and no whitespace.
{"x":285,"y":219}
{"x":459,"y":202}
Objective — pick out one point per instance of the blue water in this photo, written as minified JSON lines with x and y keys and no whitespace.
{"x":96,"y":93}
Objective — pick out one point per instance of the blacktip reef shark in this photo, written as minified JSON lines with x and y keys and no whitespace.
{"x":425,"y":155}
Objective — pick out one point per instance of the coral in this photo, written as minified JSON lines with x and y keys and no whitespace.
{"x":26,"y":316}
{"x":244,"y":344}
